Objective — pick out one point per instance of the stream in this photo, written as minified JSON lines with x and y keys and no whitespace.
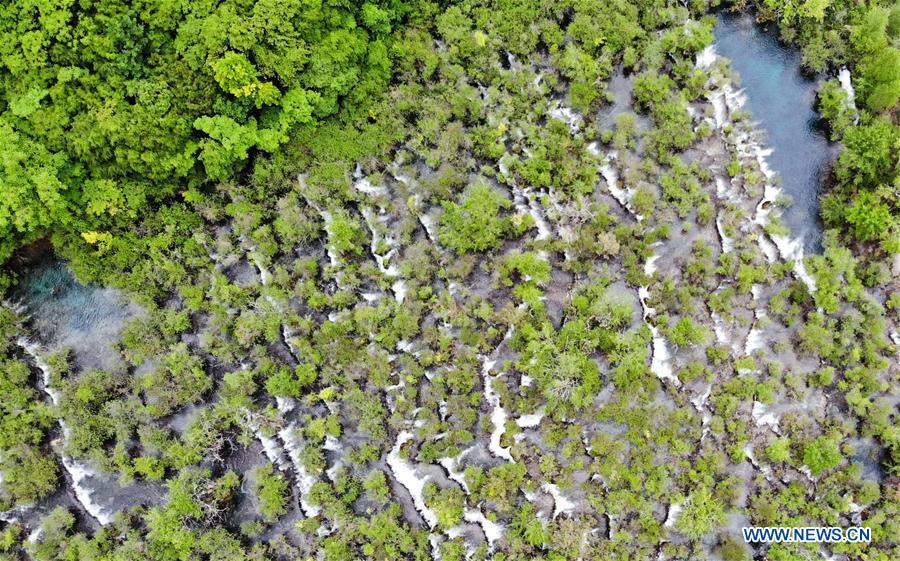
{"x":782,"y":100}
{"x":63,"y":313}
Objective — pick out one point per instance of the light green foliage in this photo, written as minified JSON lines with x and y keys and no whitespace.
{"x":530,"y":527}
{"x":286,"y":383}
{"x":345,"y":234}
{"x":447,"y":503}
{"x":179,"y":381}
{"x":271,"y":492}
{"x":835,"y":107}
{"x":10,"y":536}
{"x":559,"y":363}
{"x":866,"y":160}
{"x":702,"y":514}
{"x":376,"y":486}
{"x":868,"y":217}
{"x":500,"y":483}
{"x":779,"y":450}
{"x":821,"y":454}
{"x":34,"y":195}
{"x":107,"y":109}
{"x":687,"y":332}
{"x":476,"y":223}
{"x":584,"y":71}
{"x":864,"y":39}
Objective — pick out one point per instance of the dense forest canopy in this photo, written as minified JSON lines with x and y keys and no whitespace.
{"x":107,"y":108}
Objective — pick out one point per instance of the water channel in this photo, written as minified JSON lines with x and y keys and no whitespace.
{"x":782,"y":100}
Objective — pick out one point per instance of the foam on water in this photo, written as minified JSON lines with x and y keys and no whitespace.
{"x":660,"y":357}
{"x":530,"y":420}
{"x":763,"y":416}
{"x":405,"y":473}
{"x":493,"y":531}
{"x":755,"y":340}
{"x":365,"y":186}
{"x":79,"y":471}
{"x":707,"y":57}
{"x":332,"y":254}
{"x":672,"y":516}
{"x":561,"y":503}
{"x":451,"y":465}
{"x":847,"y":86}
{"x":498,"y":413}
{"x":304,"y":479}
{"x":611,"y":176}
{"x":727,"y":243}
{"x":565,"y":114}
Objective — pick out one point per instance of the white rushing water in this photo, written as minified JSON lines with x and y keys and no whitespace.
{"x":78,"y":471}
{"x":265,"y":276}
{"x":660,"y":356}
{"x":285,"y":404}
{"x":273,"y":450}
{"x":305,"y":480}
{"x":726,"y":99}
{"x":621,"y":194}
{"x":429,"y":223}
{"x":763,"y":468}
{"x":699,"y":404}
{"x":769,"y":249}
{"x":672,"y":516}
{"x":719,"y":328}
{"x":451,"y":465}
{"x":332,"y":254}
{"x":383,"y":260}
{"x":764,"y":416}
{"x":847,"y":86}
{"x":566,"y":115}
{"x":493,"y":531}
{"x":561,"y":503}
{"x":792,"y":250}
{"x":755,"y":340}
{"x":727,"y":242}
{"x":498,"y":413}
{"x":405,"y":473}
{"x":707,"y":57}
{"x":530,"y":420}
{"x":544,"y":231}
{"x":365,"y":186}
{"x":526,"y":204}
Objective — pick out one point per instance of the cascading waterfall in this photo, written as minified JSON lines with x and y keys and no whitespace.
{"x":78,"y":471}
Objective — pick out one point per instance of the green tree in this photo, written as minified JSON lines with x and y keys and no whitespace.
{"x":821,"y":454}
{"x":448,"y":504}
{"x":868,"y":217}
{"x":834,"y":105}
{"x":271,"y":492}
{"x":475,"y":224}
{"x":702,"y":514}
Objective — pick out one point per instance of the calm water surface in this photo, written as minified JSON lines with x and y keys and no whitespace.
{"x":782,"y":101}
{"x":65,"y":313}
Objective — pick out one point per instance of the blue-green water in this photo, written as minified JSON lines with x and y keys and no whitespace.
{"x":782,"y":101}
{"x":65,"y":313}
